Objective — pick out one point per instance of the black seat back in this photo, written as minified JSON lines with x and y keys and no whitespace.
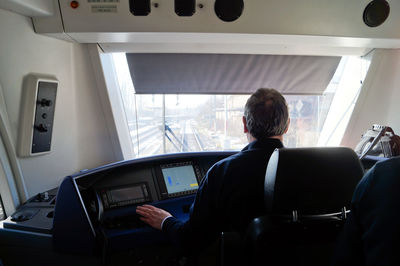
{"x":308,"y":193}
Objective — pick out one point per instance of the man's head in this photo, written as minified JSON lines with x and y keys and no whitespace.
{"x":266,"y":114}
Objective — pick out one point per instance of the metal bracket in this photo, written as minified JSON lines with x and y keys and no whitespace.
{"x":344,"y":213}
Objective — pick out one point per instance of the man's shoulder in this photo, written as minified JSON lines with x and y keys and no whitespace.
{"x":237,"y":161}
{"x":237,"y":157}
{"x":257,"y":149}
{"x":392,"y":164}
{"x":227,"y":163}
{"x":384,"y":171}
{"x":383,"y":174}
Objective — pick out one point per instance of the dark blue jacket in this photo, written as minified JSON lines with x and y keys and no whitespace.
{"x":372,"y":232}
{"x":229,"y":197}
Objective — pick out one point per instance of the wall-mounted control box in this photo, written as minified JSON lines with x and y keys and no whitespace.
{"x":37,"y":115}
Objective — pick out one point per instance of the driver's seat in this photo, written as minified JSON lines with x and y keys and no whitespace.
{"x":307,"y":193}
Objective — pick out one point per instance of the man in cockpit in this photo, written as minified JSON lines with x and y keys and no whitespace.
{"x":372,"y":230}
{"x":232,"y":192}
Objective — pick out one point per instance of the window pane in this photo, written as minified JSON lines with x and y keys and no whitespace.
{"x":307,"y":117}
{"x":149,"y":133}
{"x":214,"y":122}
{"x":204,"y":122}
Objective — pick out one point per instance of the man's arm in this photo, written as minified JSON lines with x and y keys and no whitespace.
{"x":200,"y":228}
{"x":153,"y":216}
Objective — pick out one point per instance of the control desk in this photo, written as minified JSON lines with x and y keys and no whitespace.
{"x":98,"y":207}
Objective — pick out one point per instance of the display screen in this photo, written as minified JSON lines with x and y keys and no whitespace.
{"x":127,"y":193}
{"x":179,"y":178}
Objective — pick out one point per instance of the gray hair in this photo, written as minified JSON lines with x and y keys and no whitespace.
{"x":266,"y":114}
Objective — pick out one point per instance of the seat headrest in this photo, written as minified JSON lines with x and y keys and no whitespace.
{"x":311,"y":180}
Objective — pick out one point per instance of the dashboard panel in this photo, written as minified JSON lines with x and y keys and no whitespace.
{"x":108,"y":196}
{"x":96,"y":209}
{"x":116,"y":191}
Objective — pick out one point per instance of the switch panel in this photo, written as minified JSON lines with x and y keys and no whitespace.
{"x":37,"y":117}
{"x":139,"y":7}
{"x":185,"y":8}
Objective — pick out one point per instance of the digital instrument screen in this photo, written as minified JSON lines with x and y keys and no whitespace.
{"x":128,"y":193}
{"x":125,"y":195}
{"x":179,"y":178}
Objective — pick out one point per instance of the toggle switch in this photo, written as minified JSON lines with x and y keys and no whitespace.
{"x":42,"y":128}
{"x":45,"y":102}
{"x":139,"y":7}
{"x":185,"y":8}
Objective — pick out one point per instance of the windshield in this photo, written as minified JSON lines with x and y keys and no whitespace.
{"x":170,"y":123}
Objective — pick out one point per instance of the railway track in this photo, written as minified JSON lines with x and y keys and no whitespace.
{"x":191,"y":140}
{"x":183,"y":137}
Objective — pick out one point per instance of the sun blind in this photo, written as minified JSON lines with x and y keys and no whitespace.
{"x":230,"y":73}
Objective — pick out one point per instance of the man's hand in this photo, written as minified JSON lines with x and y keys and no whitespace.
{"x":152,"y":216}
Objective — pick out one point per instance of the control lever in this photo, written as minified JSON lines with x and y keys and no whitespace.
{"x":24,"y":215}
{"x":42,"y":197}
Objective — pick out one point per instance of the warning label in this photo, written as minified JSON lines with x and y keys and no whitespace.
{"x":104,"y":8}
{"x":103,"y":1}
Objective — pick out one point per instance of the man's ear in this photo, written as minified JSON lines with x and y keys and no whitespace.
{"x":245,"y":130}
{"x":287,"y":127}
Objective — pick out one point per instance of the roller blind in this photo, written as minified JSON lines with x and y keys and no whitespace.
{"x":230,"y":73}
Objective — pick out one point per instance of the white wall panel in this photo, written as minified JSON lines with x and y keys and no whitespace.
{"x":80,"y":139}
{"x":307,"y":27}
{"x":379,"y":98}
{"x":30,"y":8}
{"x":293,"y":17}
